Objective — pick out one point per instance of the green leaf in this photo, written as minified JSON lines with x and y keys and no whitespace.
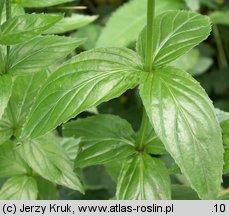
{"x":181,"y":192}
{"x":175,"y":33}
{"x":203,"y":64}
{"x":183,"y":117}
{"x":85,"y":81}
{"x":41,"y":3}
{"x":71,"y":147}
{"x":2,"y":60}
{"x":226,"y":161}
{"x":24,"y":91}
{"x":193,"y":4}
{"x":91,"y":32}
{"x":225,"y":133}
{"x":11,"y":163}
{"x":39,"y":53}
{"x":113,"y":169}
{"x":47,"y":190}
{"x":221,"y":115}
{"x":70,"y":23}
{"x":22,"y":28}
{"x":104,"y":138}
{"x":143,"y":178}
{"x":220,"y":17}
{"x":187,"y":61}
{"x":126,"y":23}
{"x":19,"y":188}
{"x":224,"y":196}
{"x":5,"y":93}
{"x":193,"y":62}
{"x":47,"y":158}
{"x":16,"y":10}
{"x":152,"y":143}
{"x":2,"y":4}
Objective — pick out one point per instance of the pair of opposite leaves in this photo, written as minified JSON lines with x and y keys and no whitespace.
{"x":178,"y":108}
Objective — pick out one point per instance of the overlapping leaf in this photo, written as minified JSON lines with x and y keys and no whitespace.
{"x":41,"y":3}
{"x":104,"y":138}
{"x":11,"y":163}
{"x":20,"y":29}
{"x":152,"y":143}
{"x":84,"y":82}
{"x":175,"y":33}
{"x":126,"y":23}
{"x":41,"y":52}
{"x":193,"y":4}
{"x":24,"y":91}
{"x":16,"y":10}
{"x":47,"y":158}
{"x":70,"y":23}
{"x":184,"y":119}
{"x":143,"y":178}
{"x":225,"y":132}
{"x":19,"y":188}
{"x":46,"y":189}
{"x":5,"y":92}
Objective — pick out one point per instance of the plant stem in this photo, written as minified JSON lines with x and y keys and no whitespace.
{"x":140,"y":138}
{"x":222,"y":57}
{"x":149,"y":37}
{"x":148,"y":67}
{"x":8,"y":16}
{"x":2,"y":3}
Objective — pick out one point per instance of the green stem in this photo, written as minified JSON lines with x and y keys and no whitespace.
{"x":148,"y":67}
{"x":149,"y":40}
{"x":8,"y":16}
{"x":222,"y":57}
{"x":141,"y":135}
{"x":2,"y":3}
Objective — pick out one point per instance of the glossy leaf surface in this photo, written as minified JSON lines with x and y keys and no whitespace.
{"x":11,"y":163}
{"x":41,"y":3}
{"x":24,"y":91}
{"x":126,"y":23}
{"x":143,"y":178}
{"x":85,"y":81}
{"x":19,"y":188}
{"x":39,"y":53}
{"x":5,"y":92}
{"x":70,"y":23}
{"x":22,"y":28}
{"x":104,"y":138}
{"x":183,"y":117}
{"x":48,"y":159}
{"x":175,"y":33}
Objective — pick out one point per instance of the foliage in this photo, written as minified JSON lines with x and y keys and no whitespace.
{"x":51,"y":132}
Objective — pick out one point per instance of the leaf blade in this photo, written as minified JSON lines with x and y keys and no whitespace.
{"x":127,"y":22}
{"x":19,"y":188}
{"x":22,"y":28}
{"x":47,"y":158}
{"x":6,"y":91}
{"x":90,"y":78}
{"x":70,"y":23}
{"x":175,"y":33}
{"x":143,"y":178}
{"x":184,"y":118}
{"x":104,"y":138}
{"x":39,"y":53}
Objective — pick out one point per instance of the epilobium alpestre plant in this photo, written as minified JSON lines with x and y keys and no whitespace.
{"x":25,"y":56}
{"x":177,"y":113}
